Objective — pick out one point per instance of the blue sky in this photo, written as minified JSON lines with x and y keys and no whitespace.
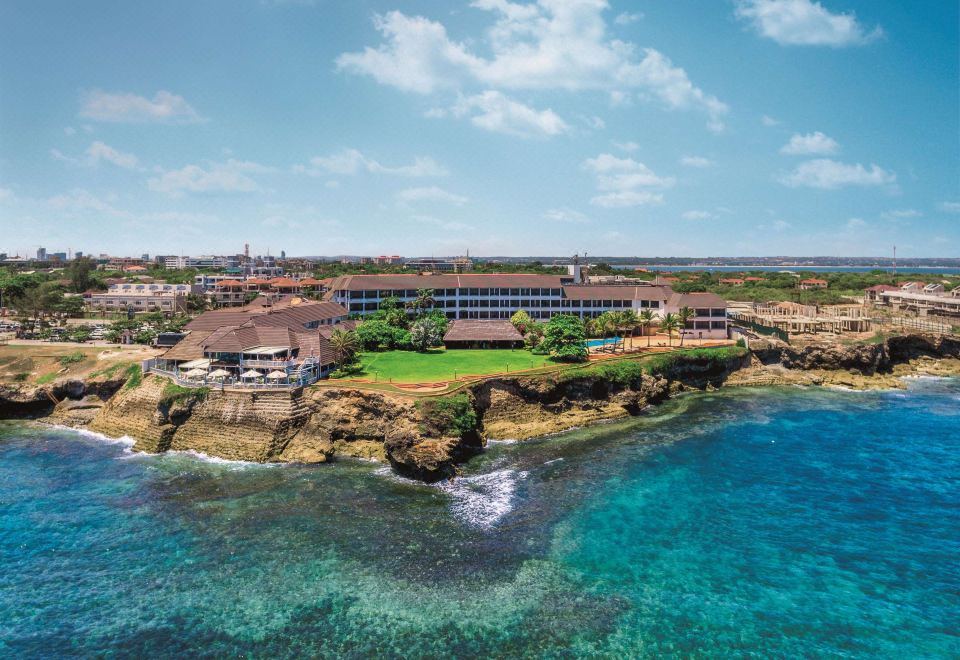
{"x":651,"y":128}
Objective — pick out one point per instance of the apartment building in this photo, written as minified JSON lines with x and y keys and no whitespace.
{"x":141,"y":298}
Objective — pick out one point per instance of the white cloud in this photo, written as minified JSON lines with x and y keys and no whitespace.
{"x":69,"y":130}
{"x":624,"y":182}
{"x":550,"y":45}
{"x":352,"y":161}
{"x":594,"y":122}
{"x":78,"y":201}
{"x":125,"y":107}
{"x":98,"y":151}
{"x":629,"y":147}
{"x":431,"y":194}
{"x":565,"y":215}
{"x":496,"y":112}
{"x":698,"y":215}
{"x":804,"y":23}
{"x":445,"y":225}
{"x":781,"y":225}
{"x":901,"y":214}
{"x":696,"y":161}
{"x":6,"y":194}
{"x":229,"y":177}
{"x":827,"y":174}
{"x":769,"y":121}
{"x":811,"y":144}
{"x":950,"y":207}
{"x":627,"y":18}
{"x":626,"y":198}
{"x":856,"y":223}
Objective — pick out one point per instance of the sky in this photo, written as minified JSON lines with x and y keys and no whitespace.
{"x":641,"y":128}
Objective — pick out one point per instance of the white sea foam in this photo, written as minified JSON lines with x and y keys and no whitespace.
{"x":125,"y":440}
{"x":207,"y":458}
{"x":553,"y":460}
{"x":482,"y":500}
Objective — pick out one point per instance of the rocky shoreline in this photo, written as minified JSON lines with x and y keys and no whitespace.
{"x":426,"y":440}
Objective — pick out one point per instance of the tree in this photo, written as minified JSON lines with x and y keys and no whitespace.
{"x":565,"y":337}
{"x":344,"y":344}
{"x":425,"y":333}
{"x":521,"y":321}
{"x":534,"y":334}
{"x":645,"y":320}
{"x":374,"y":335}
{"x":70,"y":306}
{"x":608,"y":323}
{"x":37,"y":301}
{"x":78,"y":272}
{"x":683,"y":317}
{"x":423,"y":301}
{"x":670,"y":322}
{"x":626,"y":320}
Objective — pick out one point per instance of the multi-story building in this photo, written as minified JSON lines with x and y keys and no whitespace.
{"x":499,"y":296}
{"x":142,"y":298}
{"x":454,"y":265}
{"x":204,"y":261}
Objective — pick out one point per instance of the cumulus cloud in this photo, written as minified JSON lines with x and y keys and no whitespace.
{"x":496,"y":112}
{"x":769,"y":121}
{"x":565,"y":215}
{"x":79,"y":201}
{"x":97,"y":153}
{"x":698,"y":215}
{"x":126,"y":107}
{"x":352,"y":161}
{"x":950,"y":207}
{"x":811,"y":144}
{"x":229,"y":177}
{"x":431,"y":194}
{"x":549,"y":45}
{"x":625,"y":182}
{"x":626,"y":18}
{"x":827,"y":174}
{"x":804,"y":23}
{"x":696,"y":161}
{"x":901,"y":214}
{"x":629,"y":147}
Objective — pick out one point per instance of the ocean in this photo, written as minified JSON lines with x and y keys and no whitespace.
{"x":752,"y":522}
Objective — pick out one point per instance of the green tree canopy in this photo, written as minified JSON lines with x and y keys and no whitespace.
{"x":565,"y":337}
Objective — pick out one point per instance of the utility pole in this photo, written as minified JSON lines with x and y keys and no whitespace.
{"x":894,"y":262}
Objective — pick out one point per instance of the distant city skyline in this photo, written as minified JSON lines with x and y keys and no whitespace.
{"x":743,"y":127}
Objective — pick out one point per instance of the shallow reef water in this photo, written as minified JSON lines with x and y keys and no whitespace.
{"x":755,"y":522}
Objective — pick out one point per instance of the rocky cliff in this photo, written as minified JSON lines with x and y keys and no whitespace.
{"x":426,"y":439}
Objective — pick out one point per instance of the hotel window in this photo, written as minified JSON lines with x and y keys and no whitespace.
{"x":655,"y":304}
{"x":703,"y":312}
{"x":718,"y":325}
{"x":718,"y":312}
{"x":484,"y":292}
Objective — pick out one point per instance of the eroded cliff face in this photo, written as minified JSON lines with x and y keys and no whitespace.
{"x":318,"y":424}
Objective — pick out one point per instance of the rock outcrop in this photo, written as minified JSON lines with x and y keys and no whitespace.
{"x":425,"y":440}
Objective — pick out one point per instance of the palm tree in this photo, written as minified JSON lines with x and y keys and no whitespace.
{"x":670,"y":322}
{"x":424,"y":300}
{"x":684,"y":317}
{"x":627,"y":320}
{"x":645,"y":320}
{"x":344,"y":345}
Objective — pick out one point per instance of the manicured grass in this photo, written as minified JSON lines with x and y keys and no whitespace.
{"x":440,"y":364}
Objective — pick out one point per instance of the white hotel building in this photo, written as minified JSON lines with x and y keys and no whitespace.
{"x":499,"y":296}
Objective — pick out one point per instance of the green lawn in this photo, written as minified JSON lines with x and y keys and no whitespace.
{"x":441,"y":364}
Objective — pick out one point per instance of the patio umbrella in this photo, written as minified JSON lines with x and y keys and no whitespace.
{"x":251,"y":374}
{"x":219,"y":373}
{"x":276,"y":375}
{"x":195,"y":373}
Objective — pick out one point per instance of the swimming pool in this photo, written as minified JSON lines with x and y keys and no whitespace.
{"x":609,"y":341}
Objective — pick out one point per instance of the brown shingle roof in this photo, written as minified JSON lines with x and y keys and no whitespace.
{"x":615,"y":292}
{"x":697,"y":300}
{"x":188,"y":348}
{"x":477,"y":330}
{"x":447,"y":281}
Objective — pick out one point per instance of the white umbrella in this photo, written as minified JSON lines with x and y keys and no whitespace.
{"x":251,"y":374}
{"x":195,"y":373}
{"x":219,"y":373}
{"x":276,"y":375}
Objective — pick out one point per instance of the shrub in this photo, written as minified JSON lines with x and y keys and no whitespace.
{"x":173,"y":393}
{"x":741,"y":343}
{"x":425,"y":333}
{"x":21,"y":377}
{"x":134,"y":376}
{"x":73,"y":358}
{"x":453,"y":415}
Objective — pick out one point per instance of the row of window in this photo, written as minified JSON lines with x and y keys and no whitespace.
{"x":452,"y":293}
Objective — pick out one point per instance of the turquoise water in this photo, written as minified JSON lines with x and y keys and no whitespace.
{"x":767,"y":523}
{"x":591,"y":343}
